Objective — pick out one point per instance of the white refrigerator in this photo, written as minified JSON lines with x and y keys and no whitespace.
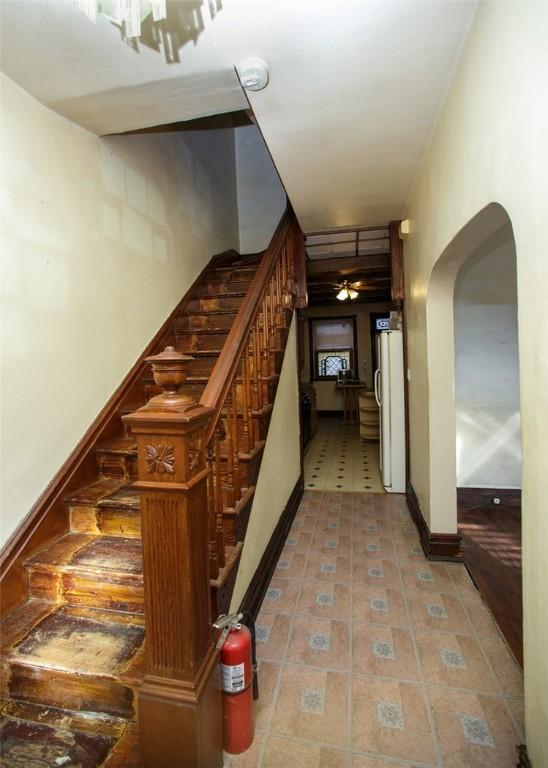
{"x":389,"y":393}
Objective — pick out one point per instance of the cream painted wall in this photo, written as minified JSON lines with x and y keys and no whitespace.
{"x":280,"y":470}
{"x":487,"y":366}
{"x":489,"y":146}
{"x":328,"y":398}
{"x":101,"y":239}
{"x":261,"y":196}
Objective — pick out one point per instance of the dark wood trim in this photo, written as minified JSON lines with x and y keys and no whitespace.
{"x":523,"y":757}
{"x":436,"y":546}
{"x":331,"y":414}
{"x":480,"y":497}
{"x":396,"y":262}
{"x":48,"y":518}
{"x":258,"y":585}
{"x":375,"y":262}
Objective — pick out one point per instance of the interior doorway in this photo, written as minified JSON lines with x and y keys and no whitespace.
{"x":487,"y":415}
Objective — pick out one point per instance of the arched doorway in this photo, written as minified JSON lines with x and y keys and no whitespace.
{"x":473,"y":382}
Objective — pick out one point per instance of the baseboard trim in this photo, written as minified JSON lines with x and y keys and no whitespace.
{"x":436,"y":546}
{"x":478,"y":497}
{"x":258,"y":585}
{"x":523,"y":757}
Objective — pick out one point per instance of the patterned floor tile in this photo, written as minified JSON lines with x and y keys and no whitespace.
{"x":383,"y":651}
{"x":283,"y":753}
{"x":454,"y":660}
{"x":379,"y":606}
{"x":325,"y":600}
{"x":390,"y":718}
{"x":271,"y":632}
{"x":313,"y":705}
{"x":319,"y":643}
{"x":438,"y":612}
{"x":473,"y":729}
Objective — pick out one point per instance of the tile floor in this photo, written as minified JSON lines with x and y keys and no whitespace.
{"x":372,"y":656}
{"x":338,"y":460}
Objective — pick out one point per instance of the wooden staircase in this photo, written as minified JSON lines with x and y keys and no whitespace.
{"x":73,"y":654}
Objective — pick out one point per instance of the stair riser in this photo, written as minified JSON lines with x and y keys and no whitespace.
{"x":235,"y":526}
{"x":120,"y":593}
{"x":205,"y":322}
{"x":106,"y":520}
{"x":118,"y":466}
{"x":205,"y":304}
{"x":222,"y":286}
{"x":55,"y":688}
{"x":187,"y":343}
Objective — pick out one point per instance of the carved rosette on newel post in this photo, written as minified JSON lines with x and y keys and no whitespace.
{"x":180,"y":711}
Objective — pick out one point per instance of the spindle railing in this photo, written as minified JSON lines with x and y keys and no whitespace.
{"x":196,"y":468}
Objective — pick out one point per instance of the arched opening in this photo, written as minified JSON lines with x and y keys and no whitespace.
{"x":474,"y":409}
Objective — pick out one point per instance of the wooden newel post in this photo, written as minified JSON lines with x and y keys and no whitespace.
{"x":180,"y":711}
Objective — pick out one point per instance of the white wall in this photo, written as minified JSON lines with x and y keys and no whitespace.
{"x":489,"y":145}
{"x":487,"y":366}
{"x":280,"y":470}
{"x":328,"y":398}
{"x":101,"y":239}
{"x":261,"y":197}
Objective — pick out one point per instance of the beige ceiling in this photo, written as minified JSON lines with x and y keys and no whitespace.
{"x":354,"y":92}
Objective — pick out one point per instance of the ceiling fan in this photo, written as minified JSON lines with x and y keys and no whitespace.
{"x":347,"y":291}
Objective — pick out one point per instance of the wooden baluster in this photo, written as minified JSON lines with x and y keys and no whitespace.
{"x":219,"y":501}
{"x":233,"y":426}
{"x":247,"y":441}
{"x":265,"y":337}
{"x":229,"y":447}
{"x":212,"y":513}
{"x":180,"y":711}
{"x":257,"y":362}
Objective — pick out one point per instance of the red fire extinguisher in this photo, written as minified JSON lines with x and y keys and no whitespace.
{"x":237,"y":683}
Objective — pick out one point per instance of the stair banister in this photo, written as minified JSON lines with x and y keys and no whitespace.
{"x":223,"y":373}
{"x":179,"y":700}
{"x":191,"y":473}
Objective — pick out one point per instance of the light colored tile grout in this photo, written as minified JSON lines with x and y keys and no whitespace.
{"x":268,"y":729}
{"x":392,"y":520}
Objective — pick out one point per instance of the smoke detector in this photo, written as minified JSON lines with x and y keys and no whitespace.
{"x":253,"y":74}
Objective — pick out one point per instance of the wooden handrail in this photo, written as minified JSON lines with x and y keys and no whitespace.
{"x":227,"y":363}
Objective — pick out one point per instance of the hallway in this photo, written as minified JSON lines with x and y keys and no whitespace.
{"x":371,"y":656}
{"x":337,"y":459}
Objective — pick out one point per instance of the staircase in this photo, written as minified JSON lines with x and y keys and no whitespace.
{"x":73,"y":653}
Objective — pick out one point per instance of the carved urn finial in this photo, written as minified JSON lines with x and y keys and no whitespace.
{"x":169,"y":371}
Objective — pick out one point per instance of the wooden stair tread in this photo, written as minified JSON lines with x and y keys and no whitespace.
{"x":31,"y":743}
{"x":125,"y":496}
{"x":118,"y":445}
{"x":83,"y":642}
{"x":85,"y":552}
{"x":82,"y":722}
{"x":90,"y":494}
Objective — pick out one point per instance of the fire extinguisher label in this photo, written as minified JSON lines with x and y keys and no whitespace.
{"x":233,"y":677}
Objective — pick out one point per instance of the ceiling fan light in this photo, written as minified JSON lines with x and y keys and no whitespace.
{"x":343,"y":294}
{"x":352,"y":294}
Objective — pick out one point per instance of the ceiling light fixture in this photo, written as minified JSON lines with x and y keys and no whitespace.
{"x":131,"y":13}
{"x":347,"y":293}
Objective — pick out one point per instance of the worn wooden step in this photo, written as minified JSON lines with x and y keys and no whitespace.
{"x":219,"y":320}
{"x":116,"y":512}
{"x":188,"y":341}
{"x":216,"y":287}
{"x":118,"y":457}
{"x":215,"y":301}
{"x":83,"y":569}
{"x":33,"y":743}
{"x":74,"y":659}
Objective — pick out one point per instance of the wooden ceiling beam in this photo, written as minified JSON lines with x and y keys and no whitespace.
{"x":348,"y":263}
